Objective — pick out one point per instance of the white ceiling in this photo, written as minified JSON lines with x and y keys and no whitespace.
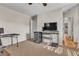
{"x":36,"y":8}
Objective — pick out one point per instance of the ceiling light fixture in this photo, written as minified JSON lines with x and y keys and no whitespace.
{"x":30,"y":3}
{"x":44,"y":4}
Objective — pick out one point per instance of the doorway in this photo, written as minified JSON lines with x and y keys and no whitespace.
{"x":68,"y":27}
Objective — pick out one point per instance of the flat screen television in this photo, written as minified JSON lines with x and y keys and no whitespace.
{"x":52,"y":26}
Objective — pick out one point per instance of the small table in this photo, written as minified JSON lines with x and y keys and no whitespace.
{"x":13,"y":35}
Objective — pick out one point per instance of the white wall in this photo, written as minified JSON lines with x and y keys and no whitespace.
{"x":13,"y":22}
{"x":52,"y":16}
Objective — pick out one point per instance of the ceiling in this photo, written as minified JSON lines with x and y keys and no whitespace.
{"x":36,"y":8}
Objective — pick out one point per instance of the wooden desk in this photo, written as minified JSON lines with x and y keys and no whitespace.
{"x":13,"y":35}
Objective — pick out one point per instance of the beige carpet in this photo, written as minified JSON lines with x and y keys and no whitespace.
{"x":28,"y":48}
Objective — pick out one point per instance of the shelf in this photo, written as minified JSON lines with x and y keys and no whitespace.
{"x":47,"y":38}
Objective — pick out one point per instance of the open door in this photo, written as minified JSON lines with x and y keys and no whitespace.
{"x":68,"y":27}
{"x":68,"y":33}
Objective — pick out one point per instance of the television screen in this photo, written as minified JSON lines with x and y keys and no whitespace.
{"x":53,"y":26}
{"x":50,"y":26}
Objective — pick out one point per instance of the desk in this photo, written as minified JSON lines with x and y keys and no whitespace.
{"x":13,"y":35}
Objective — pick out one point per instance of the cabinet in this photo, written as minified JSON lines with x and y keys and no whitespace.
{"x":52,"y":36}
